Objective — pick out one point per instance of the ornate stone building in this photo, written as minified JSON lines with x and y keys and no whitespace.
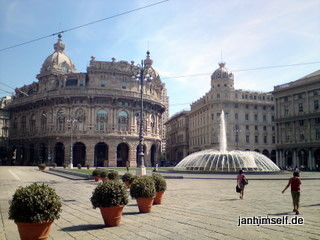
{"x":91,"y":117}
{"x":298,"y":122}
{"x":249,"y":117}
{"x":4,"y":130}
{"x":177,"y":137}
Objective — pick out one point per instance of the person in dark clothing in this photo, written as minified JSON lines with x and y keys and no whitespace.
{"x":295,"y":183}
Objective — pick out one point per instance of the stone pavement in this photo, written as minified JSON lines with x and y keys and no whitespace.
{"x":199,"y":206}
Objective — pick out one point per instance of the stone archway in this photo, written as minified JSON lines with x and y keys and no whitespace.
{"x":153,"y":155}
{"x":101,"y":155}
{"x":122,"y":154}
{"x":288,"y":158}
{"x":59,"y":153}
{"x":317,"y":159}
{"x":303,"y":159}
{"x":266,"y":153}
{"x":79,"y":154}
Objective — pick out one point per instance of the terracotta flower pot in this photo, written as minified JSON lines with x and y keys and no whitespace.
{"x":96,"y":178}
{"x":42,"y":168}
{"x":105,"y":179}
{"x":158,"y":198}
{"x":112,"y":215}
{"x":34,"y":231}
{"x":145,"y":204}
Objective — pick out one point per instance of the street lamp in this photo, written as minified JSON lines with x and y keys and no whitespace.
{"x":140,"y":73}
{"x":71,"y":121}
{"x":237,"y":130}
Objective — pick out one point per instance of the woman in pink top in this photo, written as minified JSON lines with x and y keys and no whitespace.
{"x":295,"y":183}
{"x":240,"y":183}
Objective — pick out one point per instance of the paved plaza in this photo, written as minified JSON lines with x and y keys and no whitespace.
{"x":197,"y":206}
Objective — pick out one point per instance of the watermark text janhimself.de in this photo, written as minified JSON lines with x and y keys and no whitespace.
{"x":267,"y":220}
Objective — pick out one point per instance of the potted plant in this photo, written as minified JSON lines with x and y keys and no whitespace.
{"x":143,"y":190}
{"x":127,"y":178}
{"x":110,"y":197}
{"x":161,"y":186}
{"x":104,"y":175}
{"x":96,"y":174}
{"x":79,"y":166}
{"x":113,"y":175}
{"x":88,"y":166}
{"x":54,"y":165}
{"x":42,"y":166}
{"x":33,"y":208}
{"x":64,"y":166}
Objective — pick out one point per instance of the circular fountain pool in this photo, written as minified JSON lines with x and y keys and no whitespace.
{"x":228,"y":161}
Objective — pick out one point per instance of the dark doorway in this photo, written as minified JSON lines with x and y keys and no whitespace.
{"x":32,"y":159}
{"x":122,"y":154}
{"x":79,"y":154}
{"x":153,"y":155}
{"x":59,"y":153}
{"x":42,"y":153}
{"x":288,"y":157}
{"x":317,"y":159}
{"x":101,"y":154}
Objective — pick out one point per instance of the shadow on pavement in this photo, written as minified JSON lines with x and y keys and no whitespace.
{"x":84,"y":227}
{"x":280,"y":214}
{"x":230,"y":199}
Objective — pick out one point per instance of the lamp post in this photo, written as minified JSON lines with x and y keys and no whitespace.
{"x":237,"y":130}
{"x":71,"y":121}
{"x":140,"y":72}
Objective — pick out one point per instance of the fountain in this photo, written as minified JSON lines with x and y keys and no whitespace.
{"x":226,"y":161}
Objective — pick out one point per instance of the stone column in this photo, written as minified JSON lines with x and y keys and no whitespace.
{"x":112,"y":155}
{"x":132,"y":156}
{"x":90,"y":153}
{"x":310,"y":162}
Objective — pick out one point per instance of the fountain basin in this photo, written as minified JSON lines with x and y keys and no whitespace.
{"x":227,"y":161}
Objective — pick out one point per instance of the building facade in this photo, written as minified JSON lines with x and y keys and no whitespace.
{"x":177,"y":137}
{"x":298,"y":123}
{"x":87,"y":118}
{"x":4,"y":130}
{"x":249,"y":118}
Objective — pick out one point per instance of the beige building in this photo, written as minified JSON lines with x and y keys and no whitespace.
{"x":177,"y":137}
{"x":298,"y":122}
{"x":87,"y":118}
{"x":249,"y":118}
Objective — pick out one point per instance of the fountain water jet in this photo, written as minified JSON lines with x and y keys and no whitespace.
{"x":226,"y":161}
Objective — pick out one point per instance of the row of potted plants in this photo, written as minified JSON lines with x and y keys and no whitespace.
{"x":42,"y":166}
{"x":38,"y":205}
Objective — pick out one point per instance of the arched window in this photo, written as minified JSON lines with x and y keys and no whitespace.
{"x":123,"y":121}
{"x":101,"y":120}
{"x":153,"y":124}
{"x":80,"y":117}
{"x":23,"y":124}
{"x":60,"y":121}
{"x":32,"y":124}
{"x":43,"y":122}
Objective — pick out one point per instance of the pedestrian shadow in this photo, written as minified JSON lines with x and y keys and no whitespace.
{"x":83,"y":227}
{"x":279,"y":214}
{"x":230,"y":199}
{"x":130,"y":213}
{"x":311,"y":205}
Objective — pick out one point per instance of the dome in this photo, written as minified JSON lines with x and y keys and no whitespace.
{"x":150,"y":70}
{"x":58,"y":61}
{"x":222,"y":72}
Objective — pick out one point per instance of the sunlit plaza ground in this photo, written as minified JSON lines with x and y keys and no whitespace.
{"x":197,"y":206}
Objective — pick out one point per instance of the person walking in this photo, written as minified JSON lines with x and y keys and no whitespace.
{"x":295,"y":183}
{"x":241,"y":181}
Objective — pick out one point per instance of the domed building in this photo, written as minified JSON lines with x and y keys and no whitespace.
{"x":89,"y":118}
{"x":249,"y":118}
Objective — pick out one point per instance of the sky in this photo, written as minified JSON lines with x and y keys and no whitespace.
{"x":184,"y":37}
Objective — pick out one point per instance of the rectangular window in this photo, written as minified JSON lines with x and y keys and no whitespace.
{"x":301,"y":122}
{"x":247,"y":116}
{"x":265,"y":139}
{"x":317,"y":133}
{"x":81,"y":84}
{"x":124,"y":85}
{"x":256,"y":117}
{"x":273,"y":139}
{"x":256,"y":127}
{"x":300,"y":107}
{"x":247,"y":127}
{"x":236,"y":116}
{"x":102,"y":83}
{"x":264,"y":118}
{"x":256,"y":139}
{"x":247,"y":139}
{"x":286,"y":110}
{"x":316,"y":104}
